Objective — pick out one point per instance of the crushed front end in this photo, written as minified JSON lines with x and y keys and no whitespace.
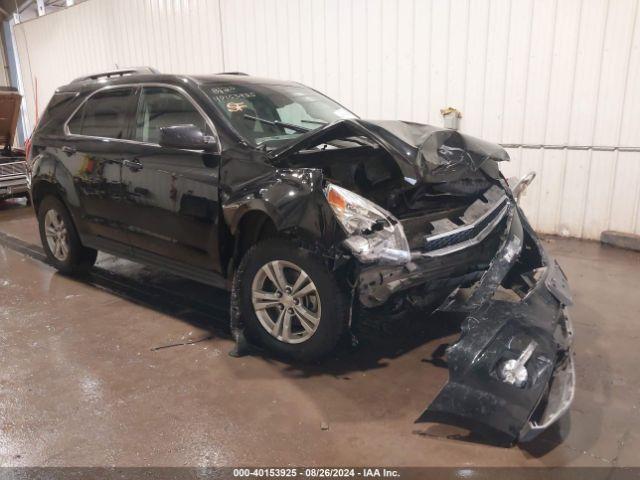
{"x":430,"y":221}
{"x":511,"y":371}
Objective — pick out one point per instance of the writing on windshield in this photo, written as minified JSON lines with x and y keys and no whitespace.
{"x":262,"y":113}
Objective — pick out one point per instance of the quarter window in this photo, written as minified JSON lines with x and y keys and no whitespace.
{"x":161,"y":107}
{"x":104,"y":114}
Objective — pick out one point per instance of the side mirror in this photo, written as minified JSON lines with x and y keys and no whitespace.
{"x":187,"y":137}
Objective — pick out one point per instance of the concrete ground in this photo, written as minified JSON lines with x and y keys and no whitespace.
{"x":130,"y":367}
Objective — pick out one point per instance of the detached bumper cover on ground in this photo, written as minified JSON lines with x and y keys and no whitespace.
{"x":535,"y":333}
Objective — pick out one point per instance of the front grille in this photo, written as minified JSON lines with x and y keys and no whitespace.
{"x":13,"y":169}
{"x":465,"y":233}
{"x":476,"y":257}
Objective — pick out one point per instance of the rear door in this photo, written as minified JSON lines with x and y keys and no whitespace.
{"x":171,"y":195}
{"x":95,"y":150}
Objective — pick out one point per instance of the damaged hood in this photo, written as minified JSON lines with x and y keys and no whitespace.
{"x":423,"y":152}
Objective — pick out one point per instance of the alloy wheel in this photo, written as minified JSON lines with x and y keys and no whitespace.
{"x":286,"y":301}
{"x":57,"y":236}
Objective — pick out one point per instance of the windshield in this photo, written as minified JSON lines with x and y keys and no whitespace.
{"x":275,"y":114}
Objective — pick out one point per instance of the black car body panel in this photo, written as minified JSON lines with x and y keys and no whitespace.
{"x":496,"y":331}
{"x":189,"y":211}
{"x":167,"y":199}
{"x":293,"y":199}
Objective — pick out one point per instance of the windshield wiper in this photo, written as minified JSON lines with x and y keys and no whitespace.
{"x":278,"y":123}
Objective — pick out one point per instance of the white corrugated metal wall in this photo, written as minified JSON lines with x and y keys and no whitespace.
{"x":535,"y":72}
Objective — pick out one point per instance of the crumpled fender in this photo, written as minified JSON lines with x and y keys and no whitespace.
{"x":475,"y":397}
{"x":292,"y":198}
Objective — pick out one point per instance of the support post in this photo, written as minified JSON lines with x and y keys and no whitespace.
{"x":41,"y":9}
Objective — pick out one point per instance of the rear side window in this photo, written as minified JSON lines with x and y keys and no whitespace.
{"x":105,"y":114}
{"x":161,"y":107}
{"x":61,"y":104}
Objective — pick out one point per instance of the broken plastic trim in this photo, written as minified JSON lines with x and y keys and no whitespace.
{"x":558,"y":402}
{"x":476,"y":397}
{"x":522,"y":184}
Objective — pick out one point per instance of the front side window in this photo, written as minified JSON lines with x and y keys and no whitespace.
{"x":105,"y":114}
{"x":161,"y":107}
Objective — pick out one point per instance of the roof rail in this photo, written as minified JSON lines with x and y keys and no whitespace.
{"x":233,"y":73}
{"x":117,"y":73}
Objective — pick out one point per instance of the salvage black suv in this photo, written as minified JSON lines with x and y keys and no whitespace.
{"x":308,"y":213}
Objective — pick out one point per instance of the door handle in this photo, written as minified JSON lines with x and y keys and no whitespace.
{"x":69,"y":150}
{"x":133,"y":165}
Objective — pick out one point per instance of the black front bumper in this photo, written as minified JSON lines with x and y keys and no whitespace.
{"x":446,"y":260}
{"x":494,"y":331}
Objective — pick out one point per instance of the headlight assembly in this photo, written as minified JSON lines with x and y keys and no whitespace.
{"x":375,"y":235}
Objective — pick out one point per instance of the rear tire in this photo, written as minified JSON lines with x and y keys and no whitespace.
{"x":60,"y":239}
{"x":303,"y":313}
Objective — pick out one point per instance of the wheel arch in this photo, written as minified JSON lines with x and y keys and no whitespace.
{"x":51,"y":175}
{"x":41,"y":188}
{"x":252,"y":227}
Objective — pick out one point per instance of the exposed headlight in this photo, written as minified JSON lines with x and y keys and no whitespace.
{"x":374,"y":234}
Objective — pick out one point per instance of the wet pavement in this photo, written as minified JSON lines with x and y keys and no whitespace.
{"x":131,"y":367}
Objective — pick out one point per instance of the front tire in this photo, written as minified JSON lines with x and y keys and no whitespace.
{"x":290,"y":302}
{"x":60,"y":239}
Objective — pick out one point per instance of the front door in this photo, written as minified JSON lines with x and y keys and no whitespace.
{"x":171,"y":195}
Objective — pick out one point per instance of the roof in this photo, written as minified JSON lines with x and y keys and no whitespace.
{"x":238,"y":79}
{"x":143,"y":74}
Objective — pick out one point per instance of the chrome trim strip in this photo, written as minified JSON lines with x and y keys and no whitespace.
{"x":207,"y":119}
{"x":467,"y":243}
{"x":497,"y":205}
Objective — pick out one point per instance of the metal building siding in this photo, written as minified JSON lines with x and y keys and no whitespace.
{"x":171,"y":35}
{"x":522,"y":72}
